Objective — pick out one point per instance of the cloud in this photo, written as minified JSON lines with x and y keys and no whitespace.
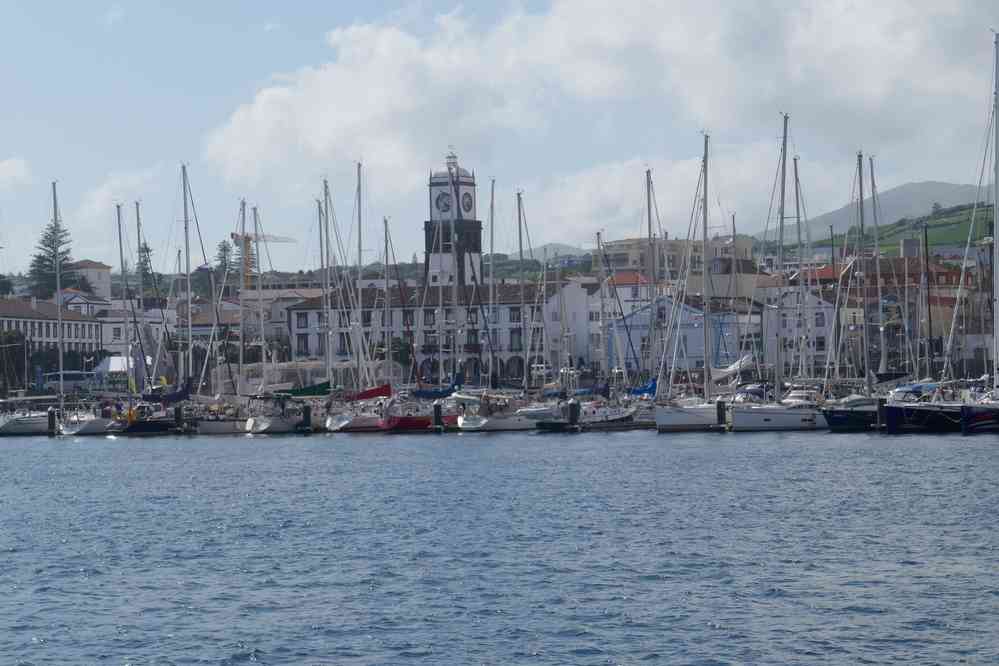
{"x":112,"y":17}
{"x":14,"y":172}
{"x":592,"y":81}
{"x":93,"y":220}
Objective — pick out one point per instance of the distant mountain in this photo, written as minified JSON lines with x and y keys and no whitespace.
{"x":560,"y":249}
{"x":910,"y":200}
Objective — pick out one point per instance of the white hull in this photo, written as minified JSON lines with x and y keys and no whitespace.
{"x":272,"y":425}
{"x":763,"y":418}
{"x":96,"y":425}
{"x":687,"y":418}
{"x":353,"y":423}
{"x":495,"y":423}
{"x":25,"y":424}
{"x":605,"y":414}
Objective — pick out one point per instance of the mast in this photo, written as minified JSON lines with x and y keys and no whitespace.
{"x":360,"y":292}
{"x":649,"y":345}
{"x":138,"y":234}
{"x":520,"y":251}
{"x":387,"y":312}
{"x":244,"y":245}
{"x":603,"y":333}
{"x":883,"y":363}
{"x":779,"y":367}
{"x":706,"y":278}
{"x":492,"y":278}
{"x":129,"y":359}
{"x":862,"y":279}
{"x":805,"y":362}
{"x":929,"y":308}
{"x":329,"y":259}
{"x":58,"y":276}
{"x":187,"y":257}
{"x":325,"y":283}
{"x":995,"y":215}
{"x":260,"y":299}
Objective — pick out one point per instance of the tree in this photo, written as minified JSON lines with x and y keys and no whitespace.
{"x":223,"y":257}
{"x":145,"y":265}
{"x":936,"y":208}
{"x":55,"y":242}
{"x":6,"y":286}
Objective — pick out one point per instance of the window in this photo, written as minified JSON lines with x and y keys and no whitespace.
{"x":430,"y":339}
{"x":407,"y":317}
{"x":471,"y":336}
{"x":820,"y":320}
{"x":116,"y":333}
{"x":516,"y":340}
{"x":472,"y":317}
{"x":302,"y":344}
{"x":301,"y":320}
{"x":429,"y":318}
{"x":366,"y":318}
{"x":594,"y":316}
{"x":321,"y":347}
{"x":343,"y":344}
{"x":386,"y":319}
{"x":514,"y":315}
{"x":820,"y":343}
{"x":634,"y":292}
{"x":555,"y":315}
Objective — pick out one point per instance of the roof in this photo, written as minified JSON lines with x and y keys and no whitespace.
{"x":627,"y":279}
{"x":87,"y":263}
{"x":23,"y":309}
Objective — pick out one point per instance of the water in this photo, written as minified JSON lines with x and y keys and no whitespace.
{"x":511,"y":549}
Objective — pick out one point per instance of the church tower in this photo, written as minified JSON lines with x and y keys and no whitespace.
{"x":452,"y":234}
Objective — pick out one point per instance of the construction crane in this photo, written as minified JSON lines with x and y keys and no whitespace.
{"x":244,"y":241}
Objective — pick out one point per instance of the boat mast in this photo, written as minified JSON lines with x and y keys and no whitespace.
{"x":244,"y":246}
{"x":803,"y":338}
{"x":260,"y":300}
{"x":129,"y":359}
{"x":995,"y":217}
{"x":779,"y":367}
{"x":929,"y":309}
{"x":386,"y":311}
{"x":187,"y":254}
{"x":883,"y":363}
{"x":706,"y":278}
{"x":862,"y":278}
{"x":325,"y":287}
{"x":603,"y":333}
{"x":492,"y":279}
{"x":58,"y":276}
{"x":520,"y":251}
{"x":360,"y":292}
{"x":138,"y":235}
{"x":649,"y":345}
{"x":329,"y":259}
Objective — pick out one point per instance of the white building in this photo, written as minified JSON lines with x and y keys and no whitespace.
{"x":96,"y":273}
{"x":38,"y":322}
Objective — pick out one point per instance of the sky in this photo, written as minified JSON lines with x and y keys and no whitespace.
{"x":568,"y":102}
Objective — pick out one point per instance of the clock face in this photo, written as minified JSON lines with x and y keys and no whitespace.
{"x":466,"y":202}
{"x":443,"y":202}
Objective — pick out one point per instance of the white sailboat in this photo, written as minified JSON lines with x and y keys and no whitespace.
{"x":697,"y":414}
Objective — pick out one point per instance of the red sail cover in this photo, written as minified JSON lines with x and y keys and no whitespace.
{"x":383,"y":391}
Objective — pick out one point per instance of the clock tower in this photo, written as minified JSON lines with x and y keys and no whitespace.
{"x":453,"y":234}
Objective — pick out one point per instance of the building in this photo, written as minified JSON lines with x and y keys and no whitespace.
{"x":96,"y":273}
{"x":38,"y":322}
{"x":452,"y":234}
{"x":78,"y":301}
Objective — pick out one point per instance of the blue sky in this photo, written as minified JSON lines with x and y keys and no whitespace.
{"x":568,"y":101}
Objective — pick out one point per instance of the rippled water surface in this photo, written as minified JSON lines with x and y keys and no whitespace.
{"x":500,"y":549}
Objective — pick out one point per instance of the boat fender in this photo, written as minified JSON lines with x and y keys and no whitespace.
{"x":720,"y":407}
{"x":52,"y":422}
{"x":438,"y":414}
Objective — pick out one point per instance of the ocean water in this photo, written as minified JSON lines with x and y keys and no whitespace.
{"x":624,"y":548}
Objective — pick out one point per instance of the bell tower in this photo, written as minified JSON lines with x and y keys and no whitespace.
{"x":452,"y":234}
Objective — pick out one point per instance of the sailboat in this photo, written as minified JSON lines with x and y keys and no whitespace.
{"x":800,"y":408}
{"x":983,"y":416}
{"x":695,"y":414}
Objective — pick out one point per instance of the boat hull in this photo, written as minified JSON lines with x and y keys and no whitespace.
{"x":851,"y":420}
{"x":25,"y":424}
{"x":687,"y":418}
{"x":977,"y":419}
{"x":509,"y":423}
{"x":87,"y":427}
{"x":221,"y":427}
{"x":771,"y":418}
{"x":922,"y":417}
{"x":354,"y":423}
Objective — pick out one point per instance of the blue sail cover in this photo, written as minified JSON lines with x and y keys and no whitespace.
{"x":648,"y":389}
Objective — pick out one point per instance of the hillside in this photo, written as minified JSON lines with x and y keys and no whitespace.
{"x":911,"y":200}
